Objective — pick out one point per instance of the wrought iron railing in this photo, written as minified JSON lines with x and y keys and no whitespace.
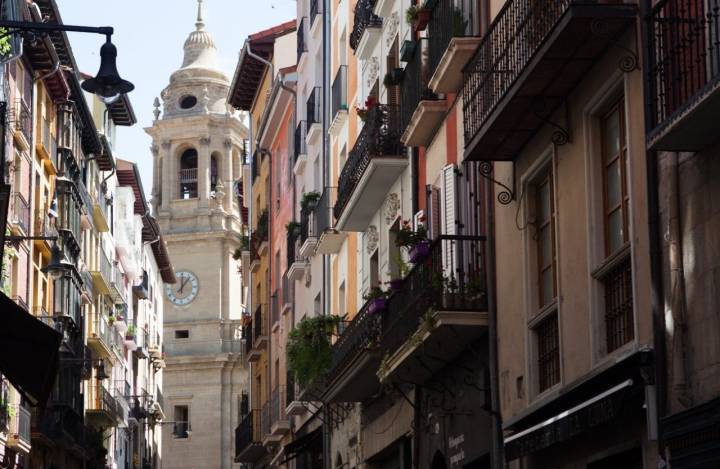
{"x":278,"y":405}
{"x":23,"y":119}
{"x":307,"y":224}
{"x":380,"y":137}
{"x":314,"y":106}
{"x":415,"y":84}
{"x":339,"y":91}
{"x":324,"y":219}
{"x":300,"y":135}
{"x":266,"y":423}
{"x":361,"y":334}
{"x":289,"y":388}
{"x":23,"y":424}
{"x":247,"y":432}
{"x":101,"y":329}
{"x":293,"y":248}
{"x":364,"y":18}
{"x":450,"y":19}
{"x":180,"y":429}
{"x":60,"y":423}
{"x":684,"y":52}
{"x":259,"y":324}
{"x":619,"y":325}
{"x":21,"y":212}
{"x":104,"y":401}
{"x":188,"y":175}
{"x":515,"y":35}
{"x":247,"y":336}
{"x":301,"y":44}
{"x":452,"y":277}
{"x":69,"y":128}
{"x":105,"y":267}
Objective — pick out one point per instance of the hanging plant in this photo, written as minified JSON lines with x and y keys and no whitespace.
{"x":309,"y":200}
{"x":309,"y":348}
{"x":293,"y":228}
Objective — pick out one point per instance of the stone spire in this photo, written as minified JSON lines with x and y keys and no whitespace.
{"x":200,"y":24}
{"x":199,"y":46}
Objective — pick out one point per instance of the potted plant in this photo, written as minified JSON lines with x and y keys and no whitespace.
{"x":393,"y":77}
{"x":111,"y":319}
{"x":415,"y":241}
{"x":377,"y":300}
{"x":130,"y":333}
{"x":418,"y":16}
{"x":293,"y":228}
{"x":309,"y":351}
{"x":309,"y":200}
{"x":396,"y":283}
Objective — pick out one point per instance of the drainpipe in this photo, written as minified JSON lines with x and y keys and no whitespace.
{"x":657,"y":294}
{"x":327,"y":463}
{"x":496,"y":448}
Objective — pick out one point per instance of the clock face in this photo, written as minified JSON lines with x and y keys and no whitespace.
{"x":185,"y":290}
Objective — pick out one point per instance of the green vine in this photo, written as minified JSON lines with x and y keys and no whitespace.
{"x":5,"y":46}
{"x":309,"y":351}
{"x":9,"y":254}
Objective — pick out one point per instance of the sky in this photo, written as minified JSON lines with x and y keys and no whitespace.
{"x":149,"y":35}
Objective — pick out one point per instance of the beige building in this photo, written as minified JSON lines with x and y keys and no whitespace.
{"x":197,"y":149}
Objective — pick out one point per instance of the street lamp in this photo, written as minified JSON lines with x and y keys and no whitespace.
{"x":58,"y":265}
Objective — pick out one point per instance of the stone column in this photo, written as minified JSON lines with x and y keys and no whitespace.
{"x":155,"y":195}
{"x":228,"y":175}
{"x":204,"y":171}
{"x":168,"y":177}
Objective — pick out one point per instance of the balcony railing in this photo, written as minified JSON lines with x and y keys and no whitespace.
{"x":379,"y":137}
{"x":339,"y":91}
{"x":300,"y":136}
{"x":23,"y":119}
{"x":69,"y":129}
{"x":289,"y":388}
{"x":60,"y":424}
{"x":103,"y":401}
{"x":324,"y":219}
{"x":21,"y":212}
{"x":415,"y":84}
{"x":275,"y":307}
{"x":293,"y":248}
{"x":525,"y":53}
{"x":278,"y":405}
{"x":188,"y":175}
{"x":101,"y":330}
{"x":362,"y":333}
{"x":301,"y":43}
{"x":248,"y":433}
{"x":684,"y":70}
{"x":247,"y":336}
{"x":259,"y":324}
{"x":453,"y":277}
{"x":141,"y":290}
{"x":314,"y":106}
{"x":21,"y":426}
{"x":307,"y":224}
{"x":364,"y":18}
{"x":450,"y":19}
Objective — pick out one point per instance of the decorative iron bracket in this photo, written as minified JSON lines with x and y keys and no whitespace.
{"x":560,"y":135}
{"x":629,"y":61}
{"x":507,"y":194}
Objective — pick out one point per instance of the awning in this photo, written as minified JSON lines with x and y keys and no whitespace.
{"x":303,"y":444}
{"x":601,"y":408}
{"x":29,"y":351}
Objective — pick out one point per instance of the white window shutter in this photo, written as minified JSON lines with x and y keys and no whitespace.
{"x":449,"y":217}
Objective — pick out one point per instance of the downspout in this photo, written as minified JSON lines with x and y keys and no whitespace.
{"x":496,"y":436}
{"x":657,"y":294}
{"x":327,"y":463}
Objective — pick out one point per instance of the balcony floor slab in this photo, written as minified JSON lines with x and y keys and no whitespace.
{"x":448,"y":77}
{"x":427,"y":117}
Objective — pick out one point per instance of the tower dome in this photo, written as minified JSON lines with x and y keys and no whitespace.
{"x":199,"y":85}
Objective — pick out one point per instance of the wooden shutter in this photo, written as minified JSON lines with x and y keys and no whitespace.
{"x":449,"y":219}
{"x":432,"y":217}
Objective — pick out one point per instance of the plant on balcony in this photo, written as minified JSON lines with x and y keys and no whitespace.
{"x":395,"y":283}
{"x":363,"y":112}
{"x":393,"y":77}
{"x":418,"y":16}
{"x":377,"y":299}
{"x":415,"y":241}
{"x":261,"y":230}
{"x":309,"y":351}
{"x":293,"y":228}
{"x":475,"y":288}
{"x":309,"y":200}
{"x":131,"y":332}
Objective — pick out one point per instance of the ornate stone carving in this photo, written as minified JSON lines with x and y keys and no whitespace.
{"x":392,"y":206}
{"x":371,"y":71}
{"x":156,"y":108}
{"x":219,"y":194}
{"x":392,"y":23}
{"x":371,"y":239}
{"x":155,"y":150}
{"x":205,"y":141}
{"x":227,"y":144}
{"x":166,"y":145}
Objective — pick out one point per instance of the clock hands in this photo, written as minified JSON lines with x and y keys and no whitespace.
{"x":183,"y":281}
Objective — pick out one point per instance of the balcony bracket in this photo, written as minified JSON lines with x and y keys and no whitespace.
{"x":629,"y":61}
{"x":507,"y":194}
{"x":561,"y":135}
{"x":407,"y":399}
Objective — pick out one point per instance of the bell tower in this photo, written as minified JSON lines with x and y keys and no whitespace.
{"x":197,"y":156}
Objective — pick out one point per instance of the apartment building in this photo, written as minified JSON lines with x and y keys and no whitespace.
{"x":506,"y":226}
{"x":264,"y":86}
{"x":70,"y":266}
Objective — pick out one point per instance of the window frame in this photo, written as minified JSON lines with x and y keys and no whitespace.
{"x":606,"y":161}
{"x":545,"y":178}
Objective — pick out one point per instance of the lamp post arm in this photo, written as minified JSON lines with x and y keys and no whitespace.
{"x":52,"y":27}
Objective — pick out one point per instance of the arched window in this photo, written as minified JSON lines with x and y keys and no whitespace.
{"x":213,"y":172}
{"x":188,"y":176}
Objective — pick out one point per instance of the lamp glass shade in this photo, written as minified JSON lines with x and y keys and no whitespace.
{"x":107,"y":83}
{"x":58,"y":264}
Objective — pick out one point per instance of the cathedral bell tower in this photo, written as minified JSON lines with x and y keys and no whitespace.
{"x":197,"y":154}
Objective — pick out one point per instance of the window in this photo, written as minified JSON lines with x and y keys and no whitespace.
{"x":545,"y":239}
{"x":615,"y":194}
{"x":188,"y":102}
{"x":182,"y":421}
{"x":548,"y":352}
{"x":182,"y":334}
{"x":188,"y":174}
{"x":619,"y":327}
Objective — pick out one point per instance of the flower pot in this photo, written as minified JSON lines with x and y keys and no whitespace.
{"x":423,"y":18}
{"x":396,"y":284}
{"x":376,"y":305}
{"x":419,"y":252}
{"x":130,"y":338}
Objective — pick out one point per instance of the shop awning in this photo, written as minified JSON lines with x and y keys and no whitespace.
{"x":29,"y":351}
{"x":303,"y":444}
{"x":601,"y":408}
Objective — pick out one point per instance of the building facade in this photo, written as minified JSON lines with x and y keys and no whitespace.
{"x":198,"y":147}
